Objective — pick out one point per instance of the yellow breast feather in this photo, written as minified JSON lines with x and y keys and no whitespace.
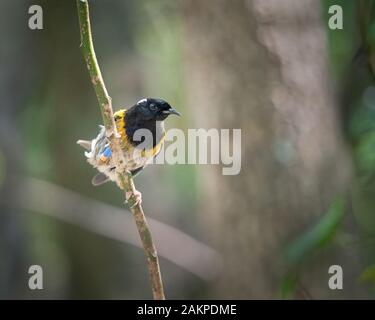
{"x":155,"y":150}
{"x":120,"y":124}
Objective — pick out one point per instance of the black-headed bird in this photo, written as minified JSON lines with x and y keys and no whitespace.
{"x":142,"y":132}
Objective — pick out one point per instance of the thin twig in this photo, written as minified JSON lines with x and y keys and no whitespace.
{"x":124,"y":177}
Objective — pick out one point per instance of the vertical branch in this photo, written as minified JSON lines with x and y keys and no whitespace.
{"x":88,"y":51}
{"x":124,"y":177}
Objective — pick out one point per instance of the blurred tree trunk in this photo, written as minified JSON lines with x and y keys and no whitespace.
{"x":261,"y":66}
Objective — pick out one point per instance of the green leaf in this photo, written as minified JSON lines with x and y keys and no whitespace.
{"x":319,"y":235}
{"x":288,"y":286}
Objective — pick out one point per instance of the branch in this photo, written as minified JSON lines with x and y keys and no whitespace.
{"x":125,"y":180}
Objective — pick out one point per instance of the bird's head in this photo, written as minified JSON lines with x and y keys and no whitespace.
{"x":154,"y":109}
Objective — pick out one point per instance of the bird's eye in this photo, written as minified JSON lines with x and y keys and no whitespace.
{"x":153,"y":107}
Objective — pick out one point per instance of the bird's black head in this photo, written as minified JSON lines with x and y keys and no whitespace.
{"x":154,"y":109}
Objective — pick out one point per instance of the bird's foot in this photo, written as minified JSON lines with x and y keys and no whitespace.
{"x":133,"y":198}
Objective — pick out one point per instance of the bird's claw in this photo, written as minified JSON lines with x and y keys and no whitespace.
{"x":133,"y":198}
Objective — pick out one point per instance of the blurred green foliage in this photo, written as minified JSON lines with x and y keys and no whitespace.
{"x":318,"y":236}
{"x":309,"y":244}
{"x":341,"y":43}
{"x":288,"y":285}
{"x":351,"y":61}
{"x":368,"y":275}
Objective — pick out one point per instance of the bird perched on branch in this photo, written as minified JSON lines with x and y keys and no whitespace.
{"x":142,"y":136}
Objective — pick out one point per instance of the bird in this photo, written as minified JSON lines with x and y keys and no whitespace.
{"x":145,"y":117}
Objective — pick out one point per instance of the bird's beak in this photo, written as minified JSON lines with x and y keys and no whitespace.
{"x":172,"y":111}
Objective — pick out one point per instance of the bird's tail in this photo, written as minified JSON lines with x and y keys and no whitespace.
{"x":86,"y":144}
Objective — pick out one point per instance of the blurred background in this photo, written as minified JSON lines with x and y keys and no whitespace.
{"x":303,"y":95}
